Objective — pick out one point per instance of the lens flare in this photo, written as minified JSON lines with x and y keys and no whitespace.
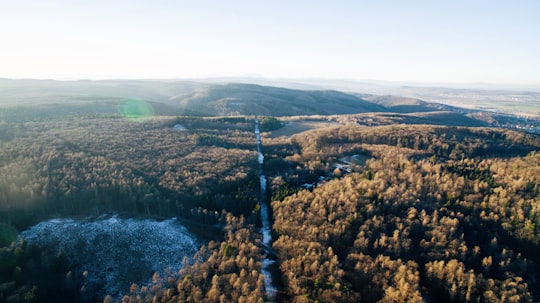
{"x":136,"y":110}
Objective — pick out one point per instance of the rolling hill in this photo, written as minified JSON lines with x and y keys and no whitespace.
{"x":410,"y":105}
{"x":249,"y":99}
{"x":184,"y":97}
{"x":39,"y":99}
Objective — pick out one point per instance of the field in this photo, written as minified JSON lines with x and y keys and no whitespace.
{"x":295,"y":127}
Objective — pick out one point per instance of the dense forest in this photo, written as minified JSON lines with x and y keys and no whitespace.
{"x":438,"y":214}
{"x":198,"y":169}
{"x":394,"y":213}
{"x":97,"y":165}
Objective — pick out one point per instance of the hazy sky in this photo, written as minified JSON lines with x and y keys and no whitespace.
{"x":427,"y":41}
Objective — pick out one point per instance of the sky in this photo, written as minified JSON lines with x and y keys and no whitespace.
{"x":472,"y":41}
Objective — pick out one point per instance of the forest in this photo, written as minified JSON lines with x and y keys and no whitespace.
{"x":438,"y":214}
{"x":98,"y":165}
{"x":434,"y":214}
{"x":91,"y":165}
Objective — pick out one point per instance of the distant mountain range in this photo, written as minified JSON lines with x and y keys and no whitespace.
{"x":220,"y":99}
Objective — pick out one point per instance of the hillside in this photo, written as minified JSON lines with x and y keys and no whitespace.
{"x":175,"y":98}
{"x":27,"y":91}
{"x":439,"y":214}
{"x":447,"y":118}
{"x":31,"y":100}
{"x":389,"y":211}
{"x":434,"y":214}
{"x":248,"y":99}
{"x":409,"y":105}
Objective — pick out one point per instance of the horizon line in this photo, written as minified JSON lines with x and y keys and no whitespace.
{"x":294,"y":80}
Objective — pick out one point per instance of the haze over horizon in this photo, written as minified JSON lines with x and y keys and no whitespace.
{"x":415,"y":42}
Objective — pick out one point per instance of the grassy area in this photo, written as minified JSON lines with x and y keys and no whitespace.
{"x":528,"y":107}
{"x":296,"y":127}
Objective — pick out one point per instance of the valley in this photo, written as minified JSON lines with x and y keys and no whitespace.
{"x":171,"y":191}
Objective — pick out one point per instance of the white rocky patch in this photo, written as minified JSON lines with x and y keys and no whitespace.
{"x":116,"y":252}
